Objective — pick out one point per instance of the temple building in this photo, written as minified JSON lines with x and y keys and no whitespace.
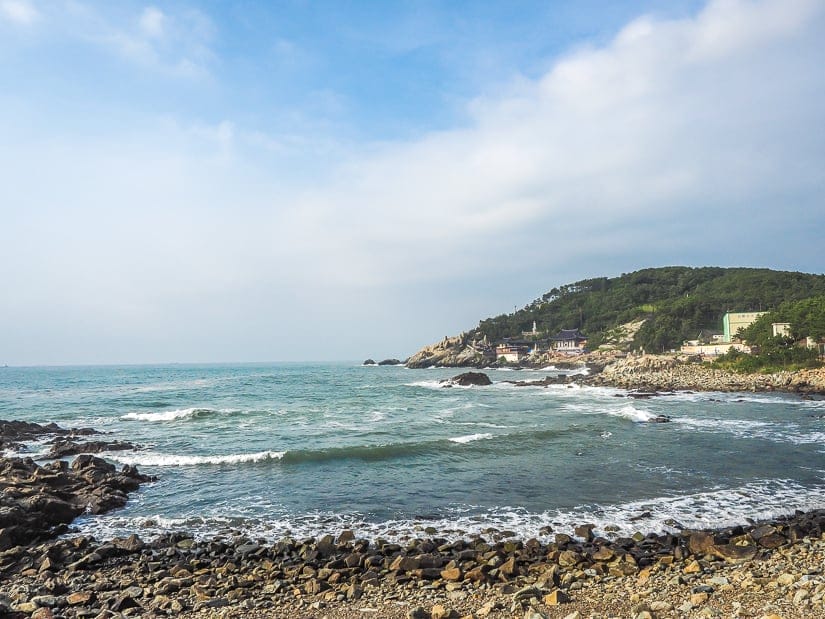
{"x":569,"y":340}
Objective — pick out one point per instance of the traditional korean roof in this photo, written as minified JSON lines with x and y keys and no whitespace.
{"x":568,"y":334}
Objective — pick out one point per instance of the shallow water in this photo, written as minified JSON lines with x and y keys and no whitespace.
{"x":302,"y":449}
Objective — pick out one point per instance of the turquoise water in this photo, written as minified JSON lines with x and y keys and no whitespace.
{"x":303,"y":449}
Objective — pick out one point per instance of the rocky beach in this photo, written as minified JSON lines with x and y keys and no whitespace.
{"x":666,"y":372}
{"x":680,"y":373}
{"x":763,"y":569}
{"x":758,"y":569}
{"x":49,"y":568}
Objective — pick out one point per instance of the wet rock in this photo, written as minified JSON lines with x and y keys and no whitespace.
{"x":467,"y":379}
{"x":47,"y":498}
{"x":62,"y":448}
{"x":13,"y":433}
{"x":734,"y":553}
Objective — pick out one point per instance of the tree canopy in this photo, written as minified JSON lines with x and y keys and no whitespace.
{"x":676,"y":303}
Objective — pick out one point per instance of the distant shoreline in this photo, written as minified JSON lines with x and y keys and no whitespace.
{"x":672,"y":373}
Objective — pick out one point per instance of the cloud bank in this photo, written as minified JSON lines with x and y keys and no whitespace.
{"x":690,"y":141}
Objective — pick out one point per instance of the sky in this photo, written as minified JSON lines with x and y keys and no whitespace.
{"x":212,"y":181}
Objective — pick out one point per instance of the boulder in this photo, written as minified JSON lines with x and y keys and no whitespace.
{"x":46,"y":499}
{"x":470,"y":378}
{"x":64,"y":447}
{"x":13,"y":433}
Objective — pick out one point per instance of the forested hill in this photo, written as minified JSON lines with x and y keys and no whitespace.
{"x":676,"y":303}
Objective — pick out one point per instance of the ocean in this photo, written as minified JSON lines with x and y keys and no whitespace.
{"x":301,"y":450}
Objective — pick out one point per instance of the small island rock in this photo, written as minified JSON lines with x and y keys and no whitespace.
{"x":470,"y":378}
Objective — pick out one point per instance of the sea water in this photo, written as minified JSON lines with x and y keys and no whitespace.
{"x":308,"y":449}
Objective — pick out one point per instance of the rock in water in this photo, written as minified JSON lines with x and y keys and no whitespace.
{"x":369,"y":362}
{"x":470,"y":378}
{"x":390,"y":362}
{"x":40,"y":501}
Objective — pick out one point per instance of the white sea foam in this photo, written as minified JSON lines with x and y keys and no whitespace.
{"x":721,"y":507}
{"x":427,"y":384}
{"x":606,"y":434}
{"x":632,"y":413}
{"x":181,"y":413}
{"x":766,"y":430}
{"x":158,"y":459}
{"x":469,"y":438}
{"x":480,"y":424}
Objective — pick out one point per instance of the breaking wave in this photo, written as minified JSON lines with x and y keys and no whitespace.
{"x":718,"y":507}
{"x":181,"y":413}
{"x":634,"y":414}
{"x":366,"y":453}
{"x":158,"y":459}
{"x":469,"y":438}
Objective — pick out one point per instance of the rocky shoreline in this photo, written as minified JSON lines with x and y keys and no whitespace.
{"x":749,"y":570}
{"x":670,"y":373}
{"x":657,"y":373}
{"x":690,"y":573}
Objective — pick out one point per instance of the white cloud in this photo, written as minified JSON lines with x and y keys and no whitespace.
{"x":19,"y":12}
{"x":152,"y":22}
{"x":681,"y":141}
{"x":674,"y":122}
{"x":175,"y":43}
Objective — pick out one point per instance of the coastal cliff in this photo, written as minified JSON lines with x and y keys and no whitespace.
{"x":451,"y":352}
{"x":462,"y":351}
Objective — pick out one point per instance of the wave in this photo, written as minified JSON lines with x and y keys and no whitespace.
{"x":367,"y":453}
{"x":715,"y":507}
{"x":765,"y":430}
{"x":634,"y":414}
{"x":181,"y":413}
{"x":469,"y":438}
{"x":158,"y":459}
{"x":480,"y":424}
{"x":427,"y":384}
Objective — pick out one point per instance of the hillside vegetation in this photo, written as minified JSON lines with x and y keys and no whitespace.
{"x":676,"y":303}
{"x":806,"y":319}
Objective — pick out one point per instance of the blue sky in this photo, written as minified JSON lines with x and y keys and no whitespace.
{"x":213,"y":181}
